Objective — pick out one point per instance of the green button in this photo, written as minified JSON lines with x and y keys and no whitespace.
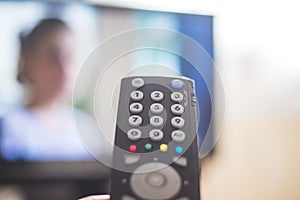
{"x":148,"y":146}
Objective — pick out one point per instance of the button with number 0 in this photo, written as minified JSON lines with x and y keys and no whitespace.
{"x":156,"y":135}
{"x":177,"y":109}
{"x":156,"y":121}
{"x":134,"y":134}
{"x":136,"y":108}
{"x":157,"y":96}
{"x":156,"y":108}
{"x":136,"y":95}
{"x":135,"y":120}
{"x":177,"y":122}
{"x":177,"y":97}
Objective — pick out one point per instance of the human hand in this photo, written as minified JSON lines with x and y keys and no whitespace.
{"x":97,"y":197}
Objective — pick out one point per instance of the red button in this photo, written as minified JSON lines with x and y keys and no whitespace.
{"x":132,"y":148}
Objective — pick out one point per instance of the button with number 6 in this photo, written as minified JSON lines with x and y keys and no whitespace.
{"x":177,"y":109}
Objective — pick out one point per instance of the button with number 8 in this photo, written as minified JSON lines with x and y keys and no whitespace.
{"x":136,"y":108}
{"x":136,"y":95}
{"x":177,"y":122}
{"x":157,"y":96}
{"x":156,"y":121}
{"x":135,"y":120}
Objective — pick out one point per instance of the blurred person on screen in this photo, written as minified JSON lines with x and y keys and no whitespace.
{"x":43,"y":128}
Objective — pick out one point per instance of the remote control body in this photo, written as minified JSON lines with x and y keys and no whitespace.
{"x":156,"y":152}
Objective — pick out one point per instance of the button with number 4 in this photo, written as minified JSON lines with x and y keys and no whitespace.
{"x":177,"y":97}
{"x":177,"y":109}
{"x":136,"y":108}
{"x":177,"y":122}
{"x":157,"y":96}
{"x":156,"y":108}
{"x":156,"y":121}
{"x":135,"y":120}
{"x":136,"y":95}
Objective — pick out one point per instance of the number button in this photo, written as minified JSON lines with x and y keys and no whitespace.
{"x":136,"y":95}
{"x":178,"y":136}
{"x":156,"y":135}
{"x":134,"y":134}
{"x":177,"y":122}
{"x":135,"y":120}
{"x":177,"y":97}
{"x":177,"y":109}
{"x":136,"y":108}
{"x":157,"y":96}
{"x":137,"y":82}
{"x":156,"y":108}
{"x":156,"y":121}
{"x":177,"y":84}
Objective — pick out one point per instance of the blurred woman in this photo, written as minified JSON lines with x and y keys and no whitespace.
{"x":43,"y":128}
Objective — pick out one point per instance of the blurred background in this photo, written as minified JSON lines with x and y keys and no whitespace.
{"x":254,"y":45}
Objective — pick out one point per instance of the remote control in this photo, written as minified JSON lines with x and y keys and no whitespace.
{"x":156,"y":152}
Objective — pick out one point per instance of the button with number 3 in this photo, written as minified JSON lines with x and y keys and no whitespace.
{"x":177,"y":122}
{"x":177,"y":97}
{"x":136,"y":108}
{"x":135,"y":120}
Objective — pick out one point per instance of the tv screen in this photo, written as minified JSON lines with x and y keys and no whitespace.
{"x":36,"y":134}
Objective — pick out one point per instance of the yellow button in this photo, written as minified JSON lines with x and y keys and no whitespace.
{"x":163,"y":147}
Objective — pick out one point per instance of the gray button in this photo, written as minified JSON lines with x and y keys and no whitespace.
{"x":177,"y":97}
{"x":127,"y":197}
{"x":134,"y":134}
{"x":177,"y":109}
{"x":157,"y":96}
{"x":156,"y":135}
{"x":135,"y":120}
{"x":131,"y":159}
{"x":156,"y":121}
{"x":137,"y":95}
{"x":164,"y":186}
{"x":137,"y":82}
{"x":177,"y":122}
{"x":136,"y":108}
{"x":181,"y":161}
{"x":178,"y":136}
{"x":156,"y":108}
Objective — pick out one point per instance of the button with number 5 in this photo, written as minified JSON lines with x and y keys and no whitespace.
{"x":136,"y":108}
{"x":177,"y":122}
{"x":135,"y":120}
{"x":156,"y":108}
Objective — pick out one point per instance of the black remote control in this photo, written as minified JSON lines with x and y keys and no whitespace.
{"x":156,"y":153}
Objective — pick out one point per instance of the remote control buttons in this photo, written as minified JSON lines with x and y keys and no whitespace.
{"x":157,"y":96}
{"x":131,"y":159}
{"x":136,"y":95}
{"x":178,"y":136}
{"x":136,"y":108}
{"x":137,"y":82}
{"x":132,"y":148}
{"x":134,"y":134}
{"x":148,"y":146}
{"x":179,"y":150}
{"x":181,"y":161}
{"x":177,"y":109}
{"x":156,"y":121}
{"x":177,"y":84}
{"x":164,"y":183}
{"x":156,"y":135}
{"x":177,"y":97}
{"x":177,"y":122}
{"x":163,"y":147}
{"x":156,"y":108}
{"x":135,"y":120}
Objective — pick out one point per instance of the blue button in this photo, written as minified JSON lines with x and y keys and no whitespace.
{"x":177,"y":84}
{"x":179,"y":149}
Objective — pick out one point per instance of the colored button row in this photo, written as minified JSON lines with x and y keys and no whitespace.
{"x":162,"y":148}
{"x":175,"y":83}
